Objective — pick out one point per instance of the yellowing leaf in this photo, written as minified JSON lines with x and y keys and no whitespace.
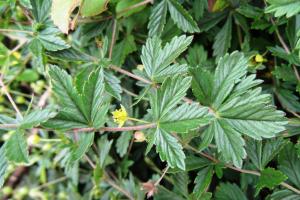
{"x":93,"y":7}
{"x":61,"y":11}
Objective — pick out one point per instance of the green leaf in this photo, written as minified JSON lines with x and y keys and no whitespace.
{"x":184,"y":118}
{"x":280,"y":8}
{"x":16,"y":148}
{"x":202,"y":85}
{"x":287,"y":99}
{"x":157,"y":19}
{"x":3,"y":165}
{"x":80,"y":147}
{"x":169,"y":149}
{"x":52,"y":42}
{"x":40,"y":9}
{"x":122,"y":6}
{"x":270,"y":178}
{"x":157,"y":60}
{"x":262,"y":153}
{"x":289,"y":164}
{"x":202,"y":181}
{"x":192,"y":163}
{"x":95,"y":107}
{"x":123,"y":49}
{"x":181,"y":17}
{"x":223,"y":39}
{"x":239,"y":109}
{"x":230,"y":191}
{"x":285,"y":194}
{"x":28,"y":75}
{"x":123,"y":143}
{"x":72,"y":105}
{"x":36,"y":117}
{"x":104,"y":144}
{"x":229,"y":142}
{"x":168,"y":95}
{"x":231,"y":68}
{"x":93,"y":7}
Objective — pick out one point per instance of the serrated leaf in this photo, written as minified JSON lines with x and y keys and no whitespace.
{"x":72,"y":105}
{"x":168,"y":95}
{"x":285,"y":194}
{"x":52,"y":42}
{"x":81,"y":146}
{"x":104,"y":144}
{"x":123,"y":143}
{"x":239,"y":109}
{"x":202,"y":181}
{"x":223,"y":39}
{"x":229,"y":142}
{"x":157,"y":60}
{"x":123,"y":49}
{"x":280,"y":8}
{"x":270,"y":178}
{"x":93,"y":7}
{"x":40,"y":9}
{"x":181,"y":17}
{"x":3,"y":165}
{"x":262,"y":153}
{"x":61,"y":12}
{"x":202,"y":85}
{"x":230,"y":191}
{"x":94,"y":106}
{"x":192,"y":163}
{"x":184,"y":118}
{"x":231,"y":68}
{"x":37,"y":117}
{"x":289,"y":164}
{"x":16,"y":149}
{"x":169,"y":149}
{"x":157,"y":19}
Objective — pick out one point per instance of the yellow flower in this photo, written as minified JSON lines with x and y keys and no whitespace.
{"x":259,"y":58}
{"x":120,"y":116}
{"x":17,"y":55}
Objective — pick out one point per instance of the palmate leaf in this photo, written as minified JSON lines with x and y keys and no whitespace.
{"x":181,"y":17}
{"x":157,"y":60}
{"x":239,"y":108}
{"x":16,"y":148}
{"x":84,"y":109}
{"x":288,"y":8}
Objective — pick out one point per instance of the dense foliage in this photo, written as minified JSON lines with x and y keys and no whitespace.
{"x":165,"y":99}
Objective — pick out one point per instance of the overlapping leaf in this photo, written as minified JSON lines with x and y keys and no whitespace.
{"x":239,"y":108}
{"x":78,"y":110}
